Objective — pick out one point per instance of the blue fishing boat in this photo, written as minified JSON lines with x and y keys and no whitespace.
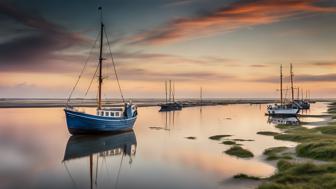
{"x":107,"y":119}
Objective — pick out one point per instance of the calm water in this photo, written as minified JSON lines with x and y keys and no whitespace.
{"x":37,"y":151}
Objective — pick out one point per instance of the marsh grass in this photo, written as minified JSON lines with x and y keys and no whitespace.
{"x":324,"y":150}
{"x":302,"y":175}
{"x":317,"y":143}
{"x":244,"y":176}
{"x":229,"y":142}
{"x":239,"y":152}
{"x":276,"y":153}
{"x":218,"y":137}
{"x":242,"y":140}
{"x":267,"y":133}
{"x":191,"y":138}
{"x":275,"y":150}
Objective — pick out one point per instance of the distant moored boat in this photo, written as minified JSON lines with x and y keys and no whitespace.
{"x":282,"y":109}
{"x":170,"y":104}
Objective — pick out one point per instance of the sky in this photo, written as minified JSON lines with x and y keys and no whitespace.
{"x":230,"y":48}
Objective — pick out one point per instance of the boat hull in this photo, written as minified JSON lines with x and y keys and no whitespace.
{"x":170,"y":107}
{"x":302,"y":104}
{"x":82,"y":123}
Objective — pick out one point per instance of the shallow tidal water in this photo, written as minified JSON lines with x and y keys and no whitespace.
{"x":38,"y":152}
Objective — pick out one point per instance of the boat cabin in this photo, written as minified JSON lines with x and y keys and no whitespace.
{"x":111,"y":112}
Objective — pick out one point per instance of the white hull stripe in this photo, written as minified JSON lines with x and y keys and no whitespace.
{"x":119,"y":120}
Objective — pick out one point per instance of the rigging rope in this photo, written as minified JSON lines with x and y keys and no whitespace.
{"x":87,"y":90}
{"x":82,"y":71}
{"x":114,"y":67}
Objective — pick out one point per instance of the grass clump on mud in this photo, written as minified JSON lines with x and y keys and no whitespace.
{"x":244,"y":176}
{"x":302,"y":175}
{"x":268,"y":133}
{"x":191,"y":138}
{"x":218,"y":137}
{"x":229,"y":142}
{"x":276,"y":153}
{"x":275,"y":150}
{"x":243,"y":140}
{"x":323,"y":150}
{"x":239,"y":152}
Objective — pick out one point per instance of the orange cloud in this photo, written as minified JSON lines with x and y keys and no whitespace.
{"x":236,"y":15}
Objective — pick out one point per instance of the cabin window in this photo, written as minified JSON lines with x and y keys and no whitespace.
{"x":102,"y":113}
{"x":112,"y":113}
{"x":106,"y":113}
{"x":117,"y":113}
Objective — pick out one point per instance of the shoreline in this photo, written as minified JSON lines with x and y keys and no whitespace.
{"x":55,"y":103}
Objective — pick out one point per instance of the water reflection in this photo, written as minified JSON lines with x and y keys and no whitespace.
{"x":100,"y":146}
{"x":169,"y":120}
{"x":283,"y":120}
{"x":30,"y":155}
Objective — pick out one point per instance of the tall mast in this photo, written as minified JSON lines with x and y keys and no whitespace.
{"x":170,"y":92}
{"x":173,"y":91}
{"x":306,"y":94}
{"x":166,"y":91}
{"x":292,"y":87}
{"x":100,"y":80}
{"x":281,"y":84}
{"x":298,"y":93}
{"x":201,"y":96}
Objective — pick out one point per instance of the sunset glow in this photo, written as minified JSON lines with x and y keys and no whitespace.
{"x":231,"y":48}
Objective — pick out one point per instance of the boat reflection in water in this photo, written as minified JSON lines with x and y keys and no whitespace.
{"x":100,"y":146}
{"x":284,"y":120}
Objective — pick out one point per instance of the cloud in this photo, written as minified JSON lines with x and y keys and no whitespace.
{"x":302,"y":78}
{"x":243,"y":13}
{"x":148,"y":75}
{"x":41,"y":40}
{"x":325,"y":63}
{"x":258,"y":65}
{"x":128,"y":56}
{"x":178,"y":3}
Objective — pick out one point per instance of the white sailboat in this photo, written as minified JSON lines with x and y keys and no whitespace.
{"x":282,"y":109}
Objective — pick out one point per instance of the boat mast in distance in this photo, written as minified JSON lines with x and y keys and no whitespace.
{"x":291,"y":77}
{"x":281,"y":100}
{"x":170,"y":104}
{"x":173,"y":92}
{"x":201,"y":96}
{"x":170,"y":92}
{"x":166,"y":91}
